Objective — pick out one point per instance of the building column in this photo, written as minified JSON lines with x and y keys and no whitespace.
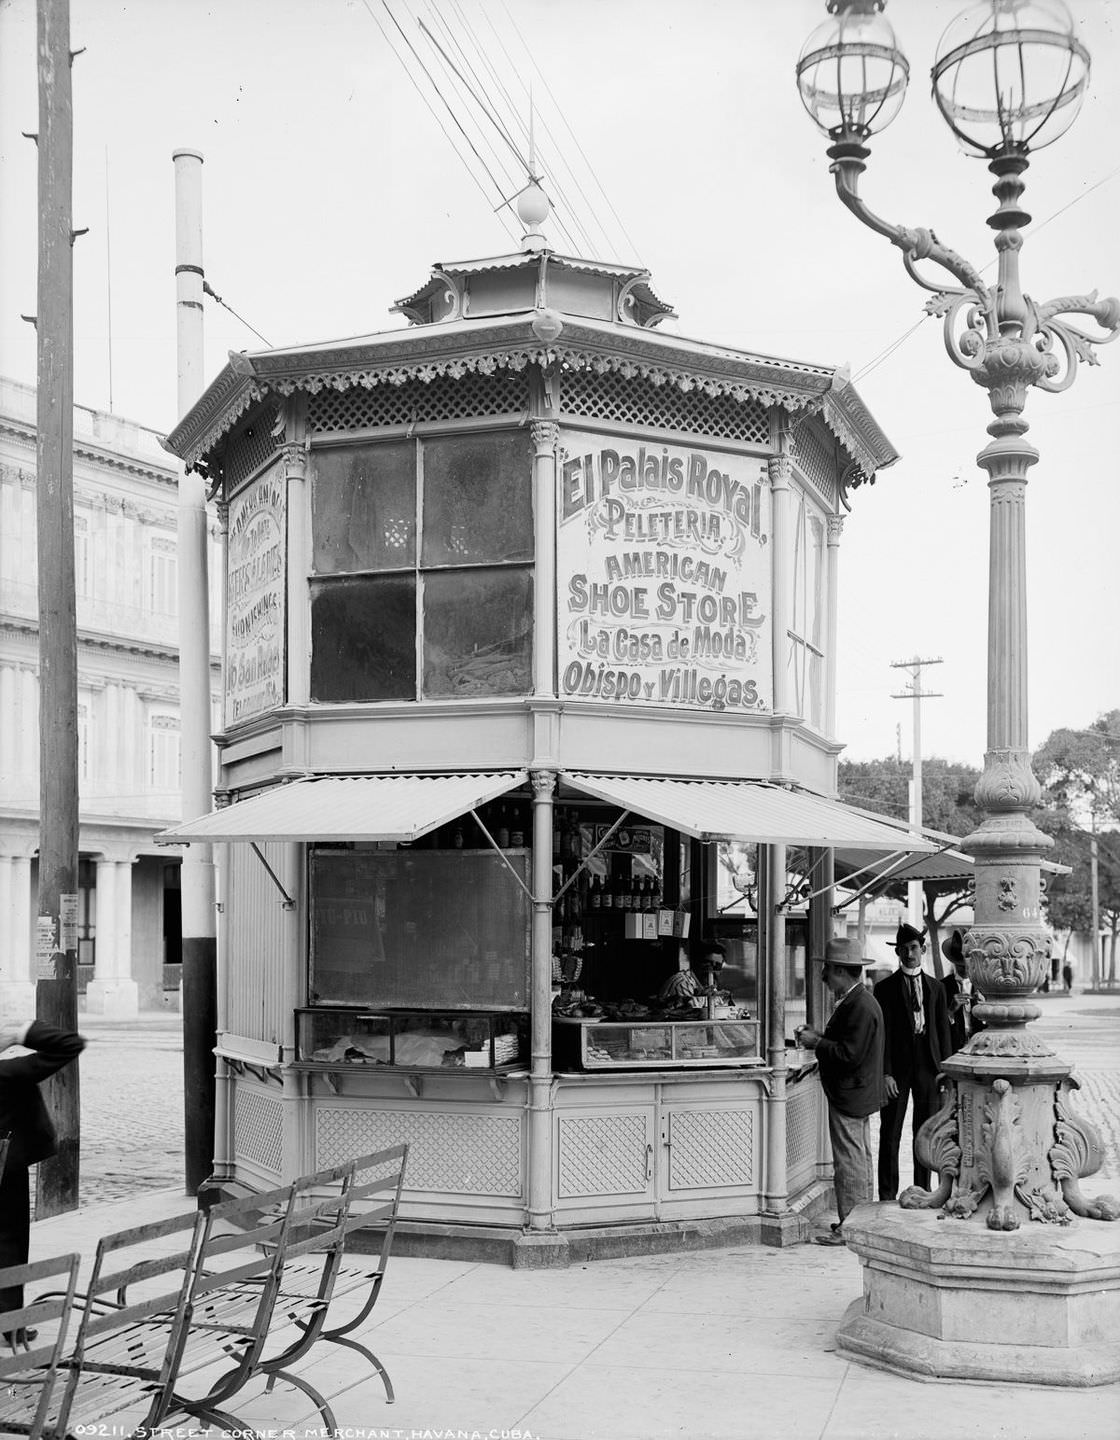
{"x":17,"y":985}
{"x":780,"y":469}
{"x":540,"y":1068}
{"x":835,"y":530}
{"x":545,"y":435}
{"x":773,"y":893}
{"x":112,"y":991}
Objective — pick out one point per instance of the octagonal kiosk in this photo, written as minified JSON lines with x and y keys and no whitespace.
{"x":530,"y":634}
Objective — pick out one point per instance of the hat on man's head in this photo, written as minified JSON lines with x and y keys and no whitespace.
{"x":953,"y":948}
{"x":906,"y":933}
{"x":842,"y":952}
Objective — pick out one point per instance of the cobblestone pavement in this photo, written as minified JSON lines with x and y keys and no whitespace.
{"x":132,"y":1106}
{"x":132,"y":1093}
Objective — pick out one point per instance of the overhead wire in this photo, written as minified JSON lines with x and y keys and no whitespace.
{"x":572,"y":214}
{"x":568,"y":127}
{"x":435,"y":114}
{"x":565,"y":217}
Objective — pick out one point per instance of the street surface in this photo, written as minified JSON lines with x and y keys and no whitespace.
{"x":132,"y":1093}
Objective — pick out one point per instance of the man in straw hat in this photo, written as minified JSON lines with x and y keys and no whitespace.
{"x":850,"y":1057}
{"x":916,"y":1041}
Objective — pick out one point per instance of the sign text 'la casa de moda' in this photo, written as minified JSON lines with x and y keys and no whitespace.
{"x":664,"y":576}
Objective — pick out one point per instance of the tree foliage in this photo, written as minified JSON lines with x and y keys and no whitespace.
{"x":947,"y":805}
{"x":1079,"y":771}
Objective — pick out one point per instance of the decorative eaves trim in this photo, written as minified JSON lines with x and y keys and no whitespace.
{"x":430,"y":353}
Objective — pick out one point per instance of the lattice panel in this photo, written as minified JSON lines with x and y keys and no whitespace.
{"x":252,"y":446}
{"x":603,"y":1155}
{"x":632,"y":401}
{"x":802,"y":1121}
{"x":505,"y":392}
{"x":454,"y":1151}
{"x":711,"y":1147}
{"x":258,"y":1123}
{"x":815,"y":455}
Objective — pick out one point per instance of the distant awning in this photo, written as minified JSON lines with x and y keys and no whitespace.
{"x":749,"y":810}
{"x":348,"y":807}
{"x":856,"y":868}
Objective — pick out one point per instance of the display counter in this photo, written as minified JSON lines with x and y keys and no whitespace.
{"x":653,"y":1043}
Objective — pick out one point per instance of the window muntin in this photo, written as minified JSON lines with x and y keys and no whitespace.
{"x":423,"y":575}
{"x":807,"y":621}
{"x":163,"y":577}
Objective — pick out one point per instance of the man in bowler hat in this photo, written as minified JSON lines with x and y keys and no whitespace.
{"x":960,"y":993}
{"x":916,"y":1041}
{"x":28,"y":1128}
{"x":850,"y":1060}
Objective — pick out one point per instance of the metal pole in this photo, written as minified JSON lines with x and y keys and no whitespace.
{"x":1094,"y":881}
{"x":56,"y":926}
{"x":914,"y":892}
{"x":198,"y":891}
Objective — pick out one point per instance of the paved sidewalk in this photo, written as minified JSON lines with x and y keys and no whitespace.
{"x":724,"y":1343}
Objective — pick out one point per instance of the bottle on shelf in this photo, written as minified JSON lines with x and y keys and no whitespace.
{"x":635,"y":893}
{"x":502,"y":830}
{"x":517,"y":828}
{"x":595,"y":894}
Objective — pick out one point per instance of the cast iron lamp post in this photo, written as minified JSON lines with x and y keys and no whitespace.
{"x":1009,"y":77}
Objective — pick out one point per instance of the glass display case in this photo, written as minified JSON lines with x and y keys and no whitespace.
{"x":606,"y":1044}
{"x":410,"y":1039}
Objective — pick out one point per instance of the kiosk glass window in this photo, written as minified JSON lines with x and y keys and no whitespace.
{"x":807,"y":622}
{"x":423,"y":569}
{"x":419,"y":929}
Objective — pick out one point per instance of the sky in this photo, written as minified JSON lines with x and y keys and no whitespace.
{"x":673,"y":136}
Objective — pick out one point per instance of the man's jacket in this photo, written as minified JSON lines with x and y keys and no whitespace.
{"x":23,"y":1116}
{"x":850,"y":1054}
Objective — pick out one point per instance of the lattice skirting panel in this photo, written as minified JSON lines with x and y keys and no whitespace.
{"x":455,"y":1152}
{"x":710,"y":1148}
{"x":258,"y":1128}
{"x":803,"y":1112}
{"x":602,"y":1154}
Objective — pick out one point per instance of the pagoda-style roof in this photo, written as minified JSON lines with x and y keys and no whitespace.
{"x":480,"y":346}
{"x":535,"y":279}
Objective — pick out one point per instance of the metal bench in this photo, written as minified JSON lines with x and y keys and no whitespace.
{"x":29,"y":1371}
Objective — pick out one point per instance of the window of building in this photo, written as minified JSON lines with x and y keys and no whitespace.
{"x":83,"y":741}
{"x":163,"y":752}
{"x":163,"y":577}
{"x":807,"y":626}
{"x":422,"y":552}
{"x":82,"y":569}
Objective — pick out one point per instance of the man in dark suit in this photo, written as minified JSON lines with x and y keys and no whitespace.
{"x":850,"y":1059}
{"x":31,"y":1136}
{"x":916,"y":1035}
{"x":960,"y":993}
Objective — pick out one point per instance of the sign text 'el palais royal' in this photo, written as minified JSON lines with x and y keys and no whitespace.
{"x":664,"y":576}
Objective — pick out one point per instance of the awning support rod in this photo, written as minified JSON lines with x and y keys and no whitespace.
{"x":900,"y":858}
{"x":578,"y":871}
{"x":288,"y":902}
{"x":502,"y":856}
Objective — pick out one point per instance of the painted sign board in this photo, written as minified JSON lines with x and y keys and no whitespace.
{"x":255,"y":598}
{"x":663,"y":575}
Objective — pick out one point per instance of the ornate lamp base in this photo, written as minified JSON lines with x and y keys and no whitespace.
{"x":1036,"y":1306}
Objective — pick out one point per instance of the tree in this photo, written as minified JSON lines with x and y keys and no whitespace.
{"x":1079,"y":771}
{"x":947,"y":805}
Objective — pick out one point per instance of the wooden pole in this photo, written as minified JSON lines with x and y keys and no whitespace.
{"x":56,"y":926}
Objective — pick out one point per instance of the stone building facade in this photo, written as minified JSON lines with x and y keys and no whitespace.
{"x":125,"y":498}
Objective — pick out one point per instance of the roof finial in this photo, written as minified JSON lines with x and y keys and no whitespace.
{"x":532,"y":203}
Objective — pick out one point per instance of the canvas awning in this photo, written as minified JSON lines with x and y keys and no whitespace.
{"x":749,"y":810}
{"x":856,"y":868}
{"x":348,"y":807}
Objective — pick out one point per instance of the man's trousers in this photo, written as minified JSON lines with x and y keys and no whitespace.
{"x":851,"y":1159}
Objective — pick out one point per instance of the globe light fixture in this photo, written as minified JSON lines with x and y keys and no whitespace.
{"x":852,"y":76}
{"x":1007,"y":1145}
{"x":1010,"y":75}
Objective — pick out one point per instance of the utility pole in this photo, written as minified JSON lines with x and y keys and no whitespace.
{"x":915,"y":693}
{"x":197,"y":876}
{"x":56,"y":942}
{"x":1094,"y":880}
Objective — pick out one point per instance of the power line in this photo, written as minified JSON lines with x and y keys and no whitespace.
{"x":206,"y":290}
